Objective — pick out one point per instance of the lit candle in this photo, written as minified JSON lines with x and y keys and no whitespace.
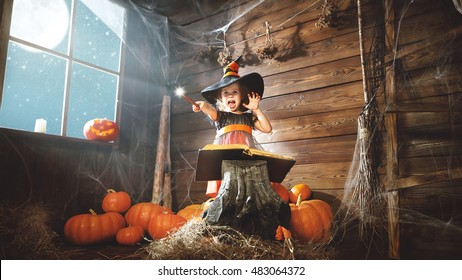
{"x":180,"y":92}
{"x":40,"y":126}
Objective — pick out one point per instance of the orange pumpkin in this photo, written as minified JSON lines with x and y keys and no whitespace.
{"x":191,"y":211}
{"x":162,"y":225}
{"x":87,"y":229}
{"x":311,"y":220}
{"x":116,"y":201}
{"x":300,"y":189}
{"x":281,"y":190}
{"x":130,"y":235}
{"x":140,"y":214}
{"x":101,"y":129}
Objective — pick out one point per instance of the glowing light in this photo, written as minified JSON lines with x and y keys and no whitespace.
{"x":179,"y":91}
{"x":42,"y":22}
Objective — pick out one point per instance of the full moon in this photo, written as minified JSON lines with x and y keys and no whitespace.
{"x":42,"y":22}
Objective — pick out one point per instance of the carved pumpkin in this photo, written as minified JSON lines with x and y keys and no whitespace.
{"x":101,"y":129}
{"x":162,"y":225}
{"x":311,"y":220}
{"x":140,"y":214}
{"x":87,"y":229}
{"x":281,"y":190}
{"x":130,"y":235}
{"x":300,"y":189}
{"x":116,"y":201}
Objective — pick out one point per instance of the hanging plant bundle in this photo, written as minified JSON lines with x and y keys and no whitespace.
{"x":328,"y":14}
{"x":269,"y":51}
{"x":224,"y":57}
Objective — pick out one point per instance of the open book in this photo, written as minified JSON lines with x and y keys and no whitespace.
{"x":210,"y":158}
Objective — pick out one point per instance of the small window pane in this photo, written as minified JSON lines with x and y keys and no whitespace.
{"x":94,"y":41}
{"x":42,"y":22}
{"x":92,"y":95}
{"x":34,"y":89}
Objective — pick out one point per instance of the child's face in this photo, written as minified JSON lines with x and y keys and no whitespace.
{"x":231,"y":97}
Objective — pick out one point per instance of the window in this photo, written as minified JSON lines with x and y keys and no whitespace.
{"x":62,"y":65}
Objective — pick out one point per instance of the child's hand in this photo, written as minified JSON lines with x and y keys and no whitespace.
{"x":201,"y":106}
{"x":254,"y":101}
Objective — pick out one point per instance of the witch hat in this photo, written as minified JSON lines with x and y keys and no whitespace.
{"x":252,"y":81}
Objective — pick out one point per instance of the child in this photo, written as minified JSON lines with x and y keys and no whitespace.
{"x":228,"y":101}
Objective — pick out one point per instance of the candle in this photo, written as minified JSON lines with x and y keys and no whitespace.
{"x":40,"y":126}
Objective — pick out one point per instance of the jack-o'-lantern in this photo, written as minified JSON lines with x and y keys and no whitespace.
{"x":101,"y":129}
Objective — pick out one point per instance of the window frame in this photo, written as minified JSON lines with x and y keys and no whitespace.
{"x":5,"y":18}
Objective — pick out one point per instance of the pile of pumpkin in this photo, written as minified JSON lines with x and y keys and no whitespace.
{"x":311,"y":219}
{"x":144,"y":217}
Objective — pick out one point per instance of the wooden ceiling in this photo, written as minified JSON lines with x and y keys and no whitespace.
{"x":184,"y":12}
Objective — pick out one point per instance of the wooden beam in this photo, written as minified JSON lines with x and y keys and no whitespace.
{"x":392,"y":137}
{"x":162,"y":160}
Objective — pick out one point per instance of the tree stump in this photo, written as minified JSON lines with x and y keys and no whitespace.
{"x":246,"y":201}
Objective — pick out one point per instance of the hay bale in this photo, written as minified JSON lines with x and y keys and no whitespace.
{"x":25,"y":233}
{"x":197,"y":240}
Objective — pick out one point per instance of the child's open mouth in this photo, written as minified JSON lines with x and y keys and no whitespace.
{"x":232,"y":104}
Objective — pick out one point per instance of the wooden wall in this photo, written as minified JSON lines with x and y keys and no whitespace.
{"x":428,"y":110}
{"x":314,"y":95}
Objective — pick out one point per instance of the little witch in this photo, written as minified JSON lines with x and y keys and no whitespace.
{"x":228,"y":106}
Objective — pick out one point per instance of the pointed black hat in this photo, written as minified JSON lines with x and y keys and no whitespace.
{"x":253,"y":81}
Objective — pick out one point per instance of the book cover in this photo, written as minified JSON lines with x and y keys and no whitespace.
{"x":211,"y":156}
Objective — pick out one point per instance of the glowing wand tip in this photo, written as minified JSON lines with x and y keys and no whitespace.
{"x":180,"y":92}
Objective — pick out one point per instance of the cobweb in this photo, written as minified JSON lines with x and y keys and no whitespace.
{"x":163,"y":42}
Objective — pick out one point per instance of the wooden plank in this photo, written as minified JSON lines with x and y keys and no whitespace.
{"x":426,"y":199}
{"x":427,"y":83}
{"x":428,"y":148}
{"x":318,"y":150}
{"x":423,"y":165}
{"x":319,"y":76}
{"x":429,"y":178}
{"x":416,"y":107}
{"x":322,"y":176}
{"x":333,"y":98}
{"x":431,"y":221}
{"x":415,"y":120}
{"x":304,"y":127}
{"x":431,"y":51}
{"x":312,"y":126}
